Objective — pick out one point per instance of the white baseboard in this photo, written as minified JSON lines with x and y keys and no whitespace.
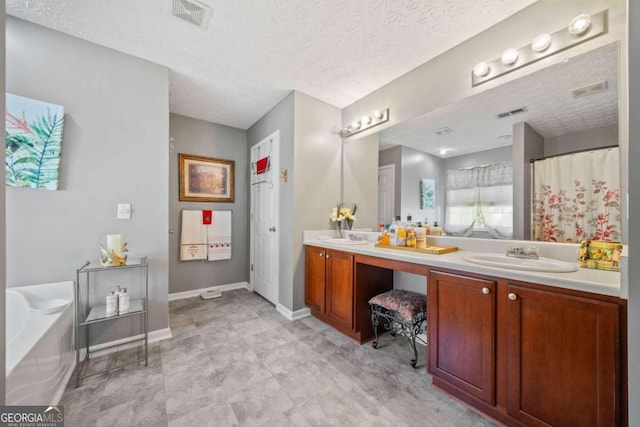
{"x":197,"y":292}
{"x":98,"y":350}
{"x":293,"y":315}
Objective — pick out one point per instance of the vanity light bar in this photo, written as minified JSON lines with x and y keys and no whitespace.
{"x":542,"y":46}
{"x":366,"y":122}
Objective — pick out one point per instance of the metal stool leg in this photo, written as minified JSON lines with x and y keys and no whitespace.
{"x":374,"y":323}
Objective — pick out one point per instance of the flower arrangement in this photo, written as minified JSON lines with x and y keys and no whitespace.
{"x":342,"y":213}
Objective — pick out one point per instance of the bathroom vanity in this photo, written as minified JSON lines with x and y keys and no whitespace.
{"x":526,"y":348}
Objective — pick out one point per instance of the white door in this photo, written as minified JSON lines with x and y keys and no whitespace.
{"x":386,"y":184}
{"x":265,"y":227}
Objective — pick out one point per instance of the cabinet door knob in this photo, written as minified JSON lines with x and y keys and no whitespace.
{"x":485,"y":291}
{"x":512,"y":296}
{"x":321,"y":253}
{"x":328,"y":256}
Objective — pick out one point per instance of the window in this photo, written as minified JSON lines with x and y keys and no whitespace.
{"x":480,"y":198}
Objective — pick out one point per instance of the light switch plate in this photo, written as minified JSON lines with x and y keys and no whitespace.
{"x":124,"y":210}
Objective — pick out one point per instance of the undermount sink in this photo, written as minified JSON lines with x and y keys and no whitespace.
{"x":502,"y":261}
{"x":345,"y":241}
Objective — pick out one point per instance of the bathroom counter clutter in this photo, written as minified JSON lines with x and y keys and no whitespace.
{"x":586,"y":280}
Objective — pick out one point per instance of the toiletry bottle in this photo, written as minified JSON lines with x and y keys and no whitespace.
{"x":435,"y":230}
{"x":409,"y":224}
{"x":411,"y":238}
{"x":123,"y":301}
{"x":384,"y":236}
{"x":401,"y":235}
{"x":393,"y":230}
{"x":421,"y":237}
{"x":112,"y":304}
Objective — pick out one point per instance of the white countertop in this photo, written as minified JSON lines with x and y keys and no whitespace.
{"x":587,"y":280}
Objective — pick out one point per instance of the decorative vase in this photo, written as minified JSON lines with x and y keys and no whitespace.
{"x":349,"y":223}
{"x":339,"y":228}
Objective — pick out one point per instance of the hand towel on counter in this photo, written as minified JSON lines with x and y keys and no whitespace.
{"x":219,"y":236}
{"x":193,"y":240}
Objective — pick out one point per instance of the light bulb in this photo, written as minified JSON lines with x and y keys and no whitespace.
{"x":579,"y":24}
{"x":378,"y":114}
{"x":443,"y":151}
{"x":365,"y":120}
{"x":541,"y":43}
{"x":509,"y":56}
{"x":355,"y":125}
{"x":481,"y":69}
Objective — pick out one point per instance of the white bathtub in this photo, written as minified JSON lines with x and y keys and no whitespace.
{"x":39,"y":343}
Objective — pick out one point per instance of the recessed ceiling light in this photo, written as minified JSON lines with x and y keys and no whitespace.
{"x":580,"y":24}
{"x":509,"y":56}
{"x":541,"y":43}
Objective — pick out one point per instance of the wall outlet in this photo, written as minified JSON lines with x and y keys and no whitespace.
{"x":124,"y":210}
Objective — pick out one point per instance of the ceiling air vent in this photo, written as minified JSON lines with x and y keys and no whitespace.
{"x":511,"y":113}
{"x":590,"y":90}
{"x":192,"y":11}
{"x":443,"y":131}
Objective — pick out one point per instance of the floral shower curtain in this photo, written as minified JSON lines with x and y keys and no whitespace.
{"x":577,"y":196}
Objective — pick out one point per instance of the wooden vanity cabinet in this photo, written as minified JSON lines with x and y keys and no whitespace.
{"x":329,"y":286}
{"x":526,"y":354}
{"x":462,"y":317}
{"x":563,"y":358}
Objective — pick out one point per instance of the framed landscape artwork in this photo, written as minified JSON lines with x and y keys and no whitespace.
{"x":427,"y":194}
{"x":33,"y":142}
{"x":205,"y":179}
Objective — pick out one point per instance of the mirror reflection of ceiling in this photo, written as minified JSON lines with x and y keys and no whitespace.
{"x":546,"y":95}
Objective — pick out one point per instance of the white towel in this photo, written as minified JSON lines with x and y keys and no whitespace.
{"x":219,"y":236}
{"x":193,"y":241}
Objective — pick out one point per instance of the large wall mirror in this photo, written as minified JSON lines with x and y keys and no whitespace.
{"x":565,"y":108}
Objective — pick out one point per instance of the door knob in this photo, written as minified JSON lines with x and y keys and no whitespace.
{"x":512,"y":296}
{"x":485,"y":291}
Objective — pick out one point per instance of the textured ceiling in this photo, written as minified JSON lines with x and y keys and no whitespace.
{"x":254,"y":52}
{"x":546,"y":95}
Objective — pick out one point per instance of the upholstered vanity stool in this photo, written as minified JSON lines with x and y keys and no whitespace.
{"x":400,"y":311}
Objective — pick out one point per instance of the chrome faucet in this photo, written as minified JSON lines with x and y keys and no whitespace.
{"x":527,"y":252}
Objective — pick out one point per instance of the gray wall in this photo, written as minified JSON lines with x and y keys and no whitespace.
{"x":360,"y":169}
{"x":527,"y":145}
{"x":415,"y":166}
{"x":634,"y":212}
{"x":316,"y":177}
{"x":114,"y":149}
{"x":281,"y":117}
{"x":310,"y":150}
{"x":393,"y":156}
{"x":3,"y":252}
{"x":197,"y":137}
{"x":604,"y":136}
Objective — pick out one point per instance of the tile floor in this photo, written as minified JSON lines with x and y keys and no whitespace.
{"x":236,"y":361}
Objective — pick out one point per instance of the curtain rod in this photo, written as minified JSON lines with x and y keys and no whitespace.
{"x":575,"y":152}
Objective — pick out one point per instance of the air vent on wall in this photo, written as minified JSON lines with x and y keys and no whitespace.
{"x":192,"y":11}
{"x":590,"y":90}
{"x":512,"y":112}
